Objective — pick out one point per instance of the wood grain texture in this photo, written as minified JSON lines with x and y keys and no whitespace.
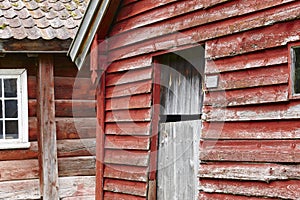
{"x":285,"y":151}
{"x":124,"y":172}
{"x":127,"y":157}
{"x":127,"y":142}
{"x":77,"y":166}
{"x":47,"y":129}
{"x":120,"y":196}
{"x":249,"y":171}
{"x":127,"y":187}
{"x":128,"y":128}
{"x":215,"y":196}
{"x":134,"y":115}
{"x":130,"y":102}
{"x":281,"y":129}
{"x":278,"y":189}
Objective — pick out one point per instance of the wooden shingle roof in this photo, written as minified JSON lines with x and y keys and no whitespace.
{"x":40,"y":19}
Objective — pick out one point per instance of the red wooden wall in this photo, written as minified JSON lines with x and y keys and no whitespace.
{"x":250,"y":137}
{"x":75,"y":130}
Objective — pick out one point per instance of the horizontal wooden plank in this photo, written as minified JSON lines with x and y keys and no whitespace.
{"x":242,"y":43}
{"x":20,"y":154}
{"x":249,"y":171}
{"x":276,"y":35}
{"x":280,"y":129}
{"x":130,"y":102}
{"x":194,"y":19}
{"x":76,"y":147}
{"x":66,"y":88}
{"x":126,"y":172}
{"x":214,"y":196}
{"x":284,"y":151}
{"x":139,"y":7}
{"x":127,"y":142}
{"x":19,"y":170}
{"x":25,"y":189}
{"x":261,"y":112}
{"x":129,"y":89}
{"x":67,"y":128}
{"x":119,"y":196}
{"x":128,"y":128}
{"x":77,"y":186}
{"x":75,"y":108}
{"x":127,"y":187}
{"x":77,"y":166}
{"x":90,"y":197}
{"x":29,"y":189}
{"x":128,"y":115}
{"x":257,"y":95}
{"x":156,"y":15}
{"x":129,"y":76}
{"x":127,"y":157}
{"x":263,"y":58}
{"x":68,"y":108}
{"x":263,"y":76}
{"x":65,"y":148}
{"x":130,"y":64}
{"x":277,"y":189}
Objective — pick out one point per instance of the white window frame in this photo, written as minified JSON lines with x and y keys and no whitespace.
{"x":22,"y":141}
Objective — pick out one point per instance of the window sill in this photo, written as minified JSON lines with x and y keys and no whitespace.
{"x":15,"y":145}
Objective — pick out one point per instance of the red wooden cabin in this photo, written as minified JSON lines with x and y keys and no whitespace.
{"x":47,"y":115}
{"x":157,"y":60}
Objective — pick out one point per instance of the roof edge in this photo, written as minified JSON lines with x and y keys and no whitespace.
{"x":88,"y":28}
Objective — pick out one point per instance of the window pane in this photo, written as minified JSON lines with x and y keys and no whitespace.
{"x":10,"y":87}
{"x":297,"y":70}
{"x":1,"y":112}
{"x":1,"y":87}
{"x":11,"y":108}
{"x":11,"y":129}
{"x":1,"y":129}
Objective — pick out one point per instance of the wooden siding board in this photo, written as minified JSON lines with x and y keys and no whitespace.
{"x":127,"y":142}
{"x":130,"y":102}
{"x":119,"y":196}
{"x":76,"y":186}
{"x":249,"y":171}
{"x":140,"y":115}
{"x":215,"y":196}
{"x":284,"y":151}
{"x":262,"y":76}
{"x":128,"y":128}
{"x":280,"y":189}
{"x":253,"y":60}
{"x":249,"y":44}
{"x":277,"y":35}
{"x":127,"y":157}
{"x":123,"y":172}
{"x":18,"y":190}
{"x":277,"y":111}
{"x":67,"y":128}
{"x":127,"y":187}
{"x":130,"y":64}
{"x":76,"y":147}
{"x":156,"y":13}
{"x":129,"y":89}
{"x":224,"y":11}
{"x":19,"y":170}
{"x":248,"y":96}
{"x":280,"y":129}
{"x":77,"y":166}
{"x":129,"y":76}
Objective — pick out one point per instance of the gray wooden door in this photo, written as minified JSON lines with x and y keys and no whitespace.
{"x":178,"y":157}
{"x":180,"y":125}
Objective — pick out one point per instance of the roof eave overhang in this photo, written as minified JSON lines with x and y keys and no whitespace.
{"x":93,"y":17}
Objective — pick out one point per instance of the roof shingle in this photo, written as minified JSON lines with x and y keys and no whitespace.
{"x":40,"y":19}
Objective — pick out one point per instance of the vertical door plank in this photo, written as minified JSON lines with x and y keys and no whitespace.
{"x":178,"y":160}
{"x":47,"y":129}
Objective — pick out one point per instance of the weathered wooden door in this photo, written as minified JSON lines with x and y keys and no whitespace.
{"x":180,"y":125}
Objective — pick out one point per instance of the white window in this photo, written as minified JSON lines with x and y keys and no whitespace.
{"x":13,"y":109}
